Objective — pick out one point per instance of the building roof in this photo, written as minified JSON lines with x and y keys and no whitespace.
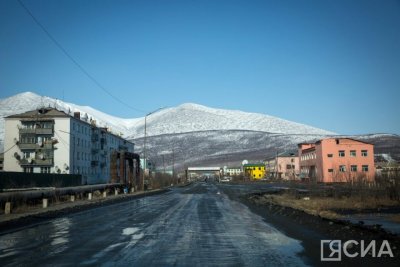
{"x":41,"y":113}
{"x":49,"y":113}
{"x":290,"y":153}
{"x":332,"y":138}
{"x":341,"y":138}
{"x":254,"y":165}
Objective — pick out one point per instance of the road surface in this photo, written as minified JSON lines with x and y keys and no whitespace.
{"x":196,"y":225}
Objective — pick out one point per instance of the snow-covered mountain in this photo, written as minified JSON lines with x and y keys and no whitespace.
{"x":195,"y":134}
{"x":182,"y":119}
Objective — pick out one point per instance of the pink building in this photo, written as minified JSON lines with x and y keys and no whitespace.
{"x":336,"y":160}
{"x":284,"y":166}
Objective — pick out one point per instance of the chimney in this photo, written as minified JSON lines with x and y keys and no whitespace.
{"x":77,"y":115}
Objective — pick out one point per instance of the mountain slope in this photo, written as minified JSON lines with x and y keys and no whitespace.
{"x":192,"y":134}
{"x":182,"y":119}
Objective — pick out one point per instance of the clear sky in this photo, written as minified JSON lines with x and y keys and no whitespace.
{"x":330,"y":64}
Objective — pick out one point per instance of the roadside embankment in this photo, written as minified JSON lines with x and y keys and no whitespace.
{"x":326,"y":207}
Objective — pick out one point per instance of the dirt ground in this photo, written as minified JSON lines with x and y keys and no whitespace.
{"x":310,"y":227}
{"x":328,"y":207}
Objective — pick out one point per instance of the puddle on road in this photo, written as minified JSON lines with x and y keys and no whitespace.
{"x":130,"y":230}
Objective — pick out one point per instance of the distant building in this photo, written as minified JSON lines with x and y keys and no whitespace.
{"x":254,"y":171}
{"x":232,"y":171}
{"x":284,"y":166}
{"x":336,"y":160}
{"x":48,"y":140}
{"x":386,"y":166}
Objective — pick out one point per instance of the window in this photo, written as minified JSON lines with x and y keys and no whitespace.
{"x":353,"y":168}
{"x":365,"y":168}
{"x":330,"y":170}
{"x":352,"y":153}
{"x":342,"y":168}
{"x":330,"y":155}
{"x":364,"y":153}
{"x":341,"y":153}
{"x":288,"y":166}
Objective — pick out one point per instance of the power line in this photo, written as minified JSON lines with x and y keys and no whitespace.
{"x":68,"y":55}
{"x":9,"y":149}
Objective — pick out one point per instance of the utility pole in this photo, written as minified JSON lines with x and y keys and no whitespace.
{"x":173,"y":164}
{"x":163,"y":162}
{"x":144,"y":144}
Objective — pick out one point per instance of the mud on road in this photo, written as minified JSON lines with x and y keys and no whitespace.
{"x":204,"y":224}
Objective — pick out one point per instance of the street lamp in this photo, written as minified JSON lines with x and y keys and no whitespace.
{"x":144,"y":143}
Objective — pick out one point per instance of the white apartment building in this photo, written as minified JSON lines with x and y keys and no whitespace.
{"x":232,"y":171}
{"x":48,"y":140}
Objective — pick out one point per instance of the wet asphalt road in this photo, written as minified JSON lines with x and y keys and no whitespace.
{"x":192,"y":226}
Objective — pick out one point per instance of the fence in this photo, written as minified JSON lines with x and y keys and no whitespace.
{"x":25,"y":180}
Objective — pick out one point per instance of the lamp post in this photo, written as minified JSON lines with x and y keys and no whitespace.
{"x":144,"y":143}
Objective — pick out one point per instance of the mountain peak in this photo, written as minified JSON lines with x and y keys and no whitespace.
{"x":185,"y":118}
{"x":192,"y":106}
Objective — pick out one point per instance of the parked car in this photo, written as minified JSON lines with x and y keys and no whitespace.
{"x":226,"y":179}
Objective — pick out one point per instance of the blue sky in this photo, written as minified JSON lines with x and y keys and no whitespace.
{"x":330,"y":64}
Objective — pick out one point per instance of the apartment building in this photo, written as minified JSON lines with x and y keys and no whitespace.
{"x":336,"y":160}
{"x":232,"y":171}
{"x":283,"y":166}
{"x":48,"y":140}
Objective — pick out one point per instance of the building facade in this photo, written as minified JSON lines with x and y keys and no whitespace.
{"x":284,"y":166}
{"x":48,"y":140}
{"x":232,"y":171}
{"x":337,"y":160}
{"x":254,"y":171}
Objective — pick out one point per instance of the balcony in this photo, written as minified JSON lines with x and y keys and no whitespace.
{"x":36,"y":131}
{"x":47,"y":146}
{"x":25,"y":146}
{"x":44,"y":130}
{"x":36,"y":162}
{"x":27,"y":130}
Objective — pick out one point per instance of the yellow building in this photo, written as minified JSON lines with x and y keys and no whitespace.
{"x":254,"y":171}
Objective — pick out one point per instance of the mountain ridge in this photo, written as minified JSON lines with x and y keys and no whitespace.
{"x":186,"y":117}
{"x":196,"y":134}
